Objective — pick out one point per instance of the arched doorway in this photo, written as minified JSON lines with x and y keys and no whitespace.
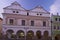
{"x":46,"y":33}
{"x":57,"y":37}
{"x":30,"y":35}
{"x":20,"y":34}
{"x":10,"y":33}
{"x":38,"y":34}
{"x":46,"y":36}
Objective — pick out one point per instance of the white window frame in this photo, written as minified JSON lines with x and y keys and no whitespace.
{"x":9,"y":20}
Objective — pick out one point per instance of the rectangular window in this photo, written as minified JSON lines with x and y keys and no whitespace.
{"x":44,"y":23}
{"x":58,"y":27}
{"x":27,"y":13}
{"x":54,"y":27}
{"x":23,"y":22}
{"x":11,"y":21}
{"x":32,"y":23}
{"x":59,"y":19}
{"x":55,"y":19}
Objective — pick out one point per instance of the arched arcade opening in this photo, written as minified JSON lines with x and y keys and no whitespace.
{"x":20,"y":34}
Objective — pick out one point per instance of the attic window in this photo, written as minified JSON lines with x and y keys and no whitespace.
{"x":17,"y":12}
{"x":37,"y":14}
{"x":40,"y":14}
{"x":13,"y":11}
{"x":27,"y":13}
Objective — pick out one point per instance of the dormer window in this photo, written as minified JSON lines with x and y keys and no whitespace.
{"x":27,"y":13}
{"x":40,"y":14}
{"x":17,"y":12}
{"x":37,"y":14}
{"x":13,"y":11}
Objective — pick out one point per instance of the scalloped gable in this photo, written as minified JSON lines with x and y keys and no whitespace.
{"x":14,"y":5}
{"x":39,"y":9}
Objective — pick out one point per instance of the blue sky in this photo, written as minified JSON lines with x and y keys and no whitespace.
{"x":50,"y":5}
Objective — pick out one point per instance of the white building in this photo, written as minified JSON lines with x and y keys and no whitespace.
{"x":20,"y":21}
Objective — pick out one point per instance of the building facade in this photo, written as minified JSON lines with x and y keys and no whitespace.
{"x":22,"y":22}
{"x":56,"y":26}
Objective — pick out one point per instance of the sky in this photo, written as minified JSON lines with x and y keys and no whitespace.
{"x":53,"y":6}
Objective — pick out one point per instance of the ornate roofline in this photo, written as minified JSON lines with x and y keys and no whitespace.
{"x":16,"y":3}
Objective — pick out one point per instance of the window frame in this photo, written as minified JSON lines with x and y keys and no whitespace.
{"x":9,"y":21}
{"x":32,"y":24}
{"x":58,"y":27}
{"x":56,"y":19}
{"x":13,"y":11}
{"x":59,"y":19}
{"x":54,"y":27}
{"x":23,"y":23}
{"x":27,"y":14}
{"x":44,"y":23}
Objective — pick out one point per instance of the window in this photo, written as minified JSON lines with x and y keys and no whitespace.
{"x":40,"y":14}
{"x":37,"y":14}
{"x":54,"y":27}
{"x":59,"y":19}
{"x":11,"y":21}
{"x":32,"y":23}
{"x":23,"y":22}
{"x":13,"y":11}
{"x":56,"y":19}
{"x":27,"y":13}
{"x":17,"y":12}
{"x":44,"y":23}
{"x":58,"y":27}
{"x":38,"y":34}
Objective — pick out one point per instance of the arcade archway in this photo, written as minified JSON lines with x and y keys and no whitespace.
{"x":30,"y":35}
{"x":10,"y":33}
{"x":46,"y":36}
{"x":20,"y":34}
{"x":38,"y":34}
{"x":46,"y":33}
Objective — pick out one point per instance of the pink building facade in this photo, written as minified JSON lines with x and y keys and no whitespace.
{"x":16,"y":19}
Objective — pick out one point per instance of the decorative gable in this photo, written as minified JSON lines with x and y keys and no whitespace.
{"x":15,"y":5}
{"x":39,"y":9}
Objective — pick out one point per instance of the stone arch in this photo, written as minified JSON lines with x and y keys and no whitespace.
{"x":38,"y":34}
{"x":46,"y":33}
{"x":10,"y":33}
{"x":46,"y":36}
{"x":20,"y":34}
{"x":30,"y":34}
